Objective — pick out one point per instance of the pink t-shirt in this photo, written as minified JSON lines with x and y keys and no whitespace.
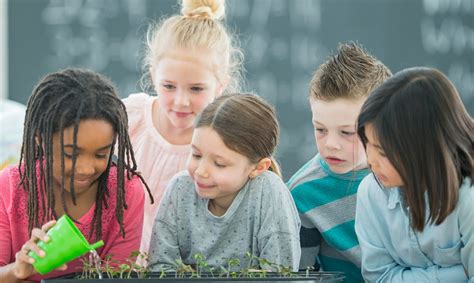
{"x":157,"y":159}
{"x":14,"y":221}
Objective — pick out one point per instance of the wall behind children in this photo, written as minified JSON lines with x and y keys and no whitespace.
{"x":284,"y":41}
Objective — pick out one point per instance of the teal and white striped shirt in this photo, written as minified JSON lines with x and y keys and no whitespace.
{"x":326,"y":203}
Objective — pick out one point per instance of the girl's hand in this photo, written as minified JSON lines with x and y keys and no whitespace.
{"x":23,"y":267}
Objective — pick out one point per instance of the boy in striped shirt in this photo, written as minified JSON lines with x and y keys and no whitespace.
{"x":325,"y":188}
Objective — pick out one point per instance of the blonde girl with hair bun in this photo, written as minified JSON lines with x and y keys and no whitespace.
{"x":189,"y":60}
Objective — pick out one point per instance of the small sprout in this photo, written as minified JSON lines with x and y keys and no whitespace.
{"x":200,"y":263}
{"x":163,"y":273}
{"x":137,"y":265}
{"x":113,"y":268}
{"x":211,"y":270}
{"x":135,"y":254}
{"x":222,"y":271}
{"x":231,"y":262}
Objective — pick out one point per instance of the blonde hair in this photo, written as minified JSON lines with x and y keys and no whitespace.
{"x":199,"y":27}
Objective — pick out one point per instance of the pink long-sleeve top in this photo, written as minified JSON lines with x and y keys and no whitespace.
{"x":14,"y":221}
{"x":157,"y":159}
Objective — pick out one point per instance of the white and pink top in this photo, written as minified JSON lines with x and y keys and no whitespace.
{"x":158,"y":160}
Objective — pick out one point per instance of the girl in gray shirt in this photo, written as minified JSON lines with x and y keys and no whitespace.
{"x":231,"y":200}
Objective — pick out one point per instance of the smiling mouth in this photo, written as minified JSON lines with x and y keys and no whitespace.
{"x":83,"y":182}
{"x":182,"y":114}
{"x":202,"y":186}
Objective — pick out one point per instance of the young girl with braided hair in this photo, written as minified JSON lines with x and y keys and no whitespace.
{"x":74,"y":122}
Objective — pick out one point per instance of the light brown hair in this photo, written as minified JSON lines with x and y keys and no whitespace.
{"x":352,"y":73}
{"x":247,"y":125}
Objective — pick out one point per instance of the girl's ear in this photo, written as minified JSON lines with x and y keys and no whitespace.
{"x":261,"y":167}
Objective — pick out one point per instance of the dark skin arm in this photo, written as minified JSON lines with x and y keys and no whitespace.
{"x":22,"y":268}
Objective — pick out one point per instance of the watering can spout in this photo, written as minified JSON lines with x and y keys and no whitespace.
{"x":97,"y":245}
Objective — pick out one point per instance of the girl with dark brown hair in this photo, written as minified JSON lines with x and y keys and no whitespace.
{"x":414,"y":217}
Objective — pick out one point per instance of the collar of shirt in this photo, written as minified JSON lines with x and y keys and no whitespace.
{"x":394,"y":198}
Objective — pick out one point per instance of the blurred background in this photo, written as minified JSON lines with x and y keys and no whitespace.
{"x":284,"y":41}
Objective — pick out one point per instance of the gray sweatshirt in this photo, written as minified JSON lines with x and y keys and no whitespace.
{"x":262,"y":220}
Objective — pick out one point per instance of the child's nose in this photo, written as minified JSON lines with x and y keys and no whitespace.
{"x":371,"y":160}
{"x":181,"y":98}
{"x":84,"y":168}
{"x":202,"y":171}
{"x":332,"y":142}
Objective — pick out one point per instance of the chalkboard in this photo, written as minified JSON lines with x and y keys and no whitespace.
{"x":284,"y":41}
